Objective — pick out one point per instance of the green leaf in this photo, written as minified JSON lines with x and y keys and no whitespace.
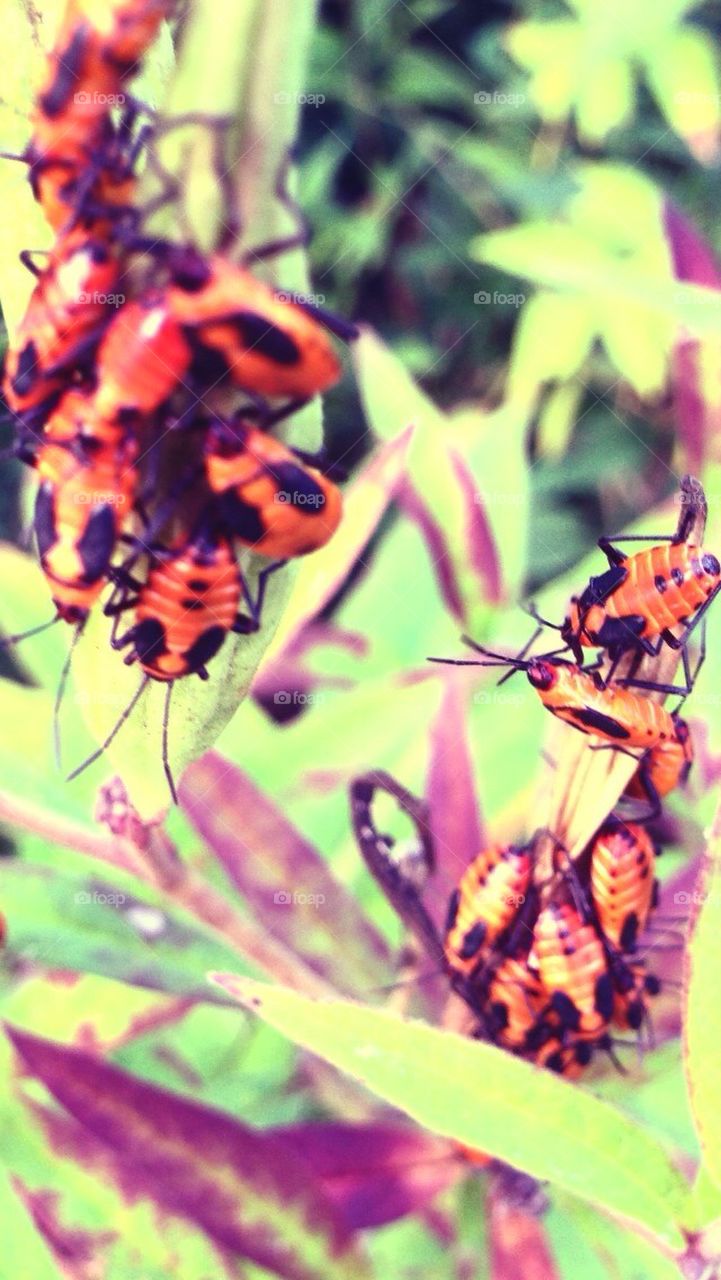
{"x":658,"y":1096}
{"x":479,"y":1095}
{"x":421,"y":78}
{"x":26,"y":604}
{"x":393,"y":401}
{"x":103,"y":688}
{"x":572,"y":320}
{"x":638,"y":340}
{"x":95,"y":925}
{"x":557,"y":420}
{"x":550,"y":52}
{"x":564,"y":258}
{"x":27,"y":767}
{"x":683,"y":75}
{"x":607,"y":100}
{"x":596,"y":1248}
{"x":704,"y":1205}
{"x":703,"y":1011}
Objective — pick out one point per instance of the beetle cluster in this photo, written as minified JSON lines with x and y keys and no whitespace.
{"x":120,"y":373}
{"x":546,"y":952}
{"x":549,"y":970}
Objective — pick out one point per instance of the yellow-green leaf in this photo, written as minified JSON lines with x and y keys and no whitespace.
{"x":480,"y":1095}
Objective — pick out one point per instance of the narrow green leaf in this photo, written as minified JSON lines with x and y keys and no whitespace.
{"x":103,"y":687}
{"x":704,"y":1203}
{"x":445,"y":501}
{"x":487,"y":1099}
{"x":495,"y":447}
{"x":703,"y":1009}
{"x":599,"y":1249}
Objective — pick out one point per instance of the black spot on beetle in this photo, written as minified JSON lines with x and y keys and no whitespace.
{"x":96,"y":543}
{"x":205,"y":647}
{"x":263,"y":338}
{"x":68,"y":68}
{"x":28,"y":370}
{"x":453,"y":905}
{"x":472,"y":941}
{"x":566,"y":1010}
{"x":604,"y":996}
{"x":597,"y":722}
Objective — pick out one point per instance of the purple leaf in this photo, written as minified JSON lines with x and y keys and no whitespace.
{"x":453,"y":553}
{"x":76,"y":1252}
{"x":697,"y":396}
{"x":282,"y":875}
{"x":692,"y":257}
{"x":517,"y":1244}
{"x":376,"y":1173}
{"x":695,"y":416}
{"x":248,"y":1192}
{"x":482,"y":553}
{"x":451,"y":792}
